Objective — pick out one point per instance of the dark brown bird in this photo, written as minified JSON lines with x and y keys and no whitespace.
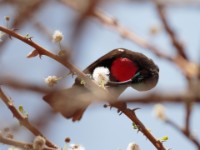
{"x":127,"y":68}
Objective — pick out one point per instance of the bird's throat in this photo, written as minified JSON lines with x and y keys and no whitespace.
{"x":123,"y":69}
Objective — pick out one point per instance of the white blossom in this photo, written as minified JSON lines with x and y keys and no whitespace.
{"x":1,"y":35}
{"x":133,"y":146}
{"x":159,"y":111}
{"x":154,"y":29}
{"x":101,"y":75}
{"x":38,"y":143}
{"x":57,"y":36}
{"x":14,"y":148}
{"x":51,"y":80}
{"x":76,"y":147}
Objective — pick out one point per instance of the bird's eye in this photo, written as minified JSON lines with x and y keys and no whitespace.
{"x":140,"y":78}
{"x":137,"y":78}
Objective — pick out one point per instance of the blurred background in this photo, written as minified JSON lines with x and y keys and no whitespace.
{"x":92,"y":29}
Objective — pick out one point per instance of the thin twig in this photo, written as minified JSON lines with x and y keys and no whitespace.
{"x":187,"y":134}
{"x":15,"y":143}
{"x":27,"y":10}
{"x":130,"y":35}
{"x":42,"y":51}
{"x":23,"y":145}
{"x":174,"y":40}
{"x":23,"y":119}
{"x":21,"y":85}
{"x":88,"y":81}
{"x":121,"y":106}
{"x":123,"y":31}
{"x":161,"y":98}
{"x":188,"y":108}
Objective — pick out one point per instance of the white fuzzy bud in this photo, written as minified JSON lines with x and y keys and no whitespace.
{"x":14,"y":148}
{"x":133,"y":146}
{"x":76,"y":147}
{"x":101,"y":75}
{"x":51,"y":80}
{"x":39,"y":143}
{"x":159,"y":111}
{"x":57,"y":36}
{"x":1,"y":35}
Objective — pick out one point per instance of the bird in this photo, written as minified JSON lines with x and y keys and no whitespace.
{"x":126,"y":68}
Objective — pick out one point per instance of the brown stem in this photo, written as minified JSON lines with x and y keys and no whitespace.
{"x":42,"y":51}
{"x":90,"y":84}
{"x":15,"y":143}
{"x":187,"y":134}
{"x":23,"y":119}
{"x":161,"y":98}
{"x":20,"y":144}
{"x":179,"y":47}
{"x":121,"y":106}
{"x":21,"y":85}
{"x":130,"y":35}
{"x":188,"y":108}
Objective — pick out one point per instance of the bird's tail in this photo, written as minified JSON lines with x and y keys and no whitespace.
{"x":71,"y":103}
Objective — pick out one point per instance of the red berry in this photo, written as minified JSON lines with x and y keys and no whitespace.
{"x":123,"y":69}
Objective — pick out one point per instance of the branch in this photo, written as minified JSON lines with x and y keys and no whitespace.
{"x":188,"y":108}
{"x":28,"y":10}
{"x":97,"y":91}
{"x":175,"y":42}
{"x":187,"y":134}
{"x":121,"y":106}
{"x":182,"y":63}
{"x":23,"y":119}
{"x":90,"y":84}
{"x":23,"y":145}
{"x":15,"y":83}
{"x":181,"y":51}
{"x":15,"y":143}
{"x":126,"y":33}
{"x":123,"y":31}
{"x":161,"y":98}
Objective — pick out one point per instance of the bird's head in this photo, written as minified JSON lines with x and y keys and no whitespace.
{"x":145,"y":79}
{"x":128,"y":68}
{"x":135,"y":70}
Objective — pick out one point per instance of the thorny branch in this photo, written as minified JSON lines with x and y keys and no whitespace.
{"x":163,"y":98}
{"x":179,"y":47}
{"x":123,"y":31}
{"x":184,"y":132}
{"x":23,"y":119}
{"x":188,"y":68}
{"x":121,"y":106}
{"x":42,"y":51}
{"x":182,"y":53}
{"x":88,"y":81}
{"x":15,"y":83}
{"x":23,"y":145}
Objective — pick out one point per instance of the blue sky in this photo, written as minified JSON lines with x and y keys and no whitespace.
{"x":100,"y":128}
